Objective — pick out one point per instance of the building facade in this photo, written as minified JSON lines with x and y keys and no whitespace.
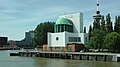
{"x":68,"y":32}
{"x":12,"y":43}
{"x":27,"y":42}
{"x":3,"y":41}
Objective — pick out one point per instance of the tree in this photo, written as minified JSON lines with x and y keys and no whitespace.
{"x":41,"y":32}
{"x":102,"y":26}
{"x":90,"y":31}
{"x":84,"y":29}
{"x":112,"y":41}
{"x":96,"y":25}
{"x":92,"y":43}
{"x":109,"y":27}
{"x":96,"y":41}
{"x":95,"y":35}
{"x":117,"y":24}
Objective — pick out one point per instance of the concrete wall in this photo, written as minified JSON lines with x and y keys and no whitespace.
{"x":53,"y":42}
{"x":63,"y":39}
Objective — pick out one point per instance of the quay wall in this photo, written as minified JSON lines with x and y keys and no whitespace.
{"x":72,"y":55}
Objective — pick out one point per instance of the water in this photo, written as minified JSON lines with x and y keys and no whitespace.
{"x":15,"y":61}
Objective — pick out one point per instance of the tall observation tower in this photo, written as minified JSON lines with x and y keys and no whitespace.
{"x":98,"y":16}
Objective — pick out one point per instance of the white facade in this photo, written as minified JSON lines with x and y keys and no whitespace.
{"x":64,"y":39}
{"x":77,"y":19}
{"x":61,"y":39}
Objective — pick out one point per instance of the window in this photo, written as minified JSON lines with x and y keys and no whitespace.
{"x":58,"y":28}
{"x":79,"y":40}
{"x":74,"y":39}
{"x":57,"y":38}
{"x":86,"y":39}
{"x":62,"y":48}
{"x":50,"y":48}
{"x":57,"y":49}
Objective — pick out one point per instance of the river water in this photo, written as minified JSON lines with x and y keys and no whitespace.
{"x":16,"y":61}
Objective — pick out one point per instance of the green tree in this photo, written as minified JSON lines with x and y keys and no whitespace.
{"x":95,"y":35}
{"x":109,"y":27}
{"x":96,"y":25}
{"x":41,"y":32}
{"x":112,"y":41}
{"x":96,"y":41}
{"x":84,"y":29}
{"x":90,"y":31}
{"x":117,"y":24}
{"x":102,"y":26}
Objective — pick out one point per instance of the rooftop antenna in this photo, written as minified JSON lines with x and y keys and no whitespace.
{"x":98,"y":12}
{"x":97,"y":17}
{"x":97,"y":5}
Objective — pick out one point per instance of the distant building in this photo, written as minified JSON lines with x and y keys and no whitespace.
{"x":27,"y":42}
{"x":12,"y":43}
{"x":69,"y":35}
{"x":3,"y":41}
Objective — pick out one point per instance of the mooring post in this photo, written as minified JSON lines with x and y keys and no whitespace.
{"x":40,"y":54}
{"x":105,"y":58}
{"x":87,"y":57}
{"x":80,"y":57}
{"x":59,"y":55}
{"x":43,"y":54}
{"x":30,"y":54}
{"x":54,"y":55}
{"x":27,"y":54}
{"x":96,"y":58}
{"x":65,"y":56}
{"x":71,"y":56}
{"x":48,"y":55}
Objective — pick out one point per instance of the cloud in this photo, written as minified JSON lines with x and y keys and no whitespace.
{"x":19,"y":16}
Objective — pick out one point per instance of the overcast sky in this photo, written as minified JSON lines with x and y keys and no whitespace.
{"x":20,"y":16}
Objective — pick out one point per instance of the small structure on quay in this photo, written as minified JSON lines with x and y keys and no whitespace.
{"x":69,"y":35}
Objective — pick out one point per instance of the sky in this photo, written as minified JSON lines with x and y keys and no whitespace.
{"x":20,"y":16}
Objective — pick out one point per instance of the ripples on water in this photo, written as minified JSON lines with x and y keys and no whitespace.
{"x":15,"y":61}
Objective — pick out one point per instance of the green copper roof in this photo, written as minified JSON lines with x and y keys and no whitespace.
{"x":64,"y":21}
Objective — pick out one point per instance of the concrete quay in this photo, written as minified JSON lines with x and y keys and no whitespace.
{"x":93,"y":56}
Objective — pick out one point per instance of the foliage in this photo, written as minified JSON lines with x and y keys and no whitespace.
{"x":96,"y":41}
{"x":102,"y":26}
{"x":109,"y":27}
{"x":104,"y":37}
{"x":41,"y":32}
{"x":84,"y":29}
{"x":96,"y":36}
{"x":90,"y":31}
{"x":117,"y":24}
{"x":96,"y":25}
{"x":112,"y":41}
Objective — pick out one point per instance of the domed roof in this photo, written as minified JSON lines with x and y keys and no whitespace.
{"x":64,"y":21}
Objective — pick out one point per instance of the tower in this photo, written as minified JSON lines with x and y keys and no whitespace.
{"x":98,"y":16}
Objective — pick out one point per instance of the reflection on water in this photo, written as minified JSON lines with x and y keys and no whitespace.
{"x":43,"y":62}
{"x":14,"y":61}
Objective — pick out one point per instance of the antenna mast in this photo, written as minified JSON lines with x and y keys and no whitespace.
{"x":98,"y":12}
{"x":97,"y":5}
{"x":97,"y":17}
